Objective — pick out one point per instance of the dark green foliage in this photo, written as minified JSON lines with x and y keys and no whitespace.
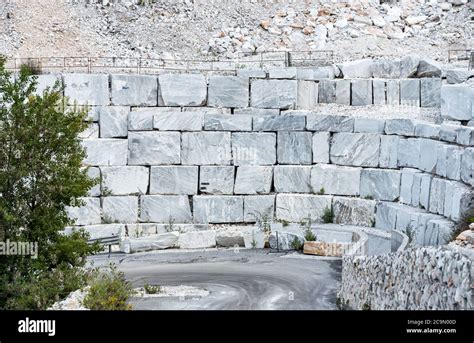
{"x":40,"y":175}
{"x":296,"y":244}
{"x":328,"y":215}
{"x":150,"y":289}
{"x":108,"y":291}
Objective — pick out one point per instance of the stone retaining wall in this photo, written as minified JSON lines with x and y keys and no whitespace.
{"x":180,"y":148}
{"x":427,"y":278}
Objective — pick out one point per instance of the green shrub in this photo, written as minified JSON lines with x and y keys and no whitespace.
{"x":41,"y":175}
{"x":309,"y":236}
{"x":328,"y":215}
{"x":308,"y":233}
{"x":150,"y":289}
{"x":296,"y":244}
{"x":108,"y":291}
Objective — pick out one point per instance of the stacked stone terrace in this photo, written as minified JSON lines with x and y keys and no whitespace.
{"x":184,"y":149}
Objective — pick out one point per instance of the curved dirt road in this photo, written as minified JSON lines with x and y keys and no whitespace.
{"x":248,"y":280}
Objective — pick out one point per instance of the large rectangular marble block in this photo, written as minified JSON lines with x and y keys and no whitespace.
{"x":154,"y":148}
{"x":87,"y":89}
{"x":410,"y":92}
{"x":400,"y":126}
{"x":257,"y":112}
{"x":253,"y":148}
{"x":165,"y":208}
{"x":297,"y":207}
{"x":329,"y":123}
{"x":437,"y":194}
{"x":343,"y":92}
{"x":307,"y":97}
{"x":467,"y":166}
{"x":465,"y":136}
{"x":426,"y":130}
{"x":226,"y":122}
{"x":141,"y":118}
{"x":178,"y":121}
{"x":125,"y":180}
{"x":182,"y":90}
{"x":105,"y":152}
{"x":449,"y":161}
{"x":228,"y":91}
{"x":458,"y":200}
{"x":457,"y":102}
{"x":218,"y":209}
{"x":380,"y":184}
{"x":386,"y":215}
{"x":120,"y":209}
{"x":428,"y":156}
{"x":47,"y":81}
{"x":92,"y":131}
{"x":421,"y":190}
{"x":409,"y":152}
{"x":253,"y":180}
{"x":453,"y":162}
{"x":88,"y":213}
{"x":134,"y":90}
{"x":104,"y":230}
{"x":353,"y":211}
{"x":294,"y":147}
{"x":388,"y":151}
{"x":355,"y":149}
{"x":174,"y":180}
{"x":273,"y":93}
{"x":282,"y":73}
{"x":430,"y":92}
{"x":286,"y":122}
{"x":292,"y":179}
{"x":257,"y":207}
{"x":407,"y":185}
{"x":337,"y":180}
{"x":113,"y":121}
{"x":206,"y":148}
{"x":361,"y":92}
{"x":379,"y":90}
{"x":369,"y":125}
{"x":93,"y":173}
{"x":216,"y":179}
{"x":327,"y":92}
{"x":321,"y":147}
{"x":393,"y":92}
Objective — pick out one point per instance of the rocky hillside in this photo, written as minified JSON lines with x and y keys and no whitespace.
{"x":228,"y":29}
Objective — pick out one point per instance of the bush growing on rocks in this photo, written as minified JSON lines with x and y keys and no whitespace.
{"x":108,"y":291}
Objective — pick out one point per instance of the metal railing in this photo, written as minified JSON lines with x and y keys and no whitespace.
{"x":263,"y":60}
{"x":459,"y":54}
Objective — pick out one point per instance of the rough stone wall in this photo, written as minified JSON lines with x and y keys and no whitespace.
{"x":192,"y":150}
{"x":426,"y":278}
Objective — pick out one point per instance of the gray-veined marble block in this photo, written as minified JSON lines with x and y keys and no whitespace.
{"x":206,"y":148}
{"x":292,"y":179}
{"x":294,"y":147}
{"x":228,"y":91}
{"x":253,"y":148}
{"x":154,"y":148}
{"x":174,"y":180}
{"x":134,"y":90}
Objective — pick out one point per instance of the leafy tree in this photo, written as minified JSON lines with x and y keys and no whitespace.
{"x":40,"y":175}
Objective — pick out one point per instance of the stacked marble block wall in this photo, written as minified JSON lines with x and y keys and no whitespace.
{"x":179,"y":147}
{"x":307,"y":87}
